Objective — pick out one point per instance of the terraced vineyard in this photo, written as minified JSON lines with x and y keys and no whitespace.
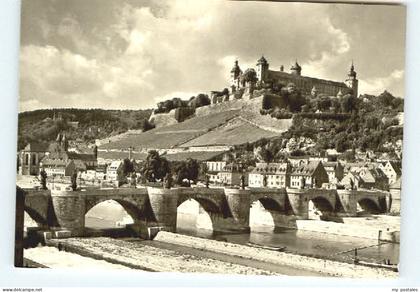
{"x":235,"y":132}
{"x":213,"y":126}
{"x":173,"y":135}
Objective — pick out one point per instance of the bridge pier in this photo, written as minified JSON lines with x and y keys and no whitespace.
{"x":299,"y":203}
{"x":164,"y":207}
{"x":238,"y":201}
{"x":69,"y":207}
{"x":347,"y":206}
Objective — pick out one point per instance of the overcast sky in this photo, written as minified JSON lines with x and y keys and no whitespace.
{"x":130,"y":54}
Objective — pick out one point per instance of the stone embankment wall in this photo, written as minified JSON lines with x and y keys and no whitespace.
{"x":327,"y":267}
{"x":380,"y":232}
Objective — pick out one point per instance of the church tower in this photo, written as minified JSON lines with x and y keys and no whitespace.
{"x":352,"y":81}
{"x":262,"y":69}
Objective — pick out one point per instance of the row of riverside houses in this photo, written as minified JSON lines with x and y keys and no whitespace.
{"x":307,"y":173}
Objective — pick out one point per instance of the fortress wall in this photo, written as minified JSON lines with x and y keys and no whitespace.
{"x":305,"y":83}
{"x":219,"y":107}
{"x":163,"y":119}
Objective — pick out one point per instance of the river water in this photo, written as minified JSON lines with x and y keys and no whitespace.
{"x":336,"y":247}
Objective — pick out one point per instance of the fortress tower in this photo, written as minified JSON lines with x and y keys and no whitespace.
{"x":235,"y":73}
{"x":352,"y":81}
{"x":262,"y":69}
{"x":296,"y":69}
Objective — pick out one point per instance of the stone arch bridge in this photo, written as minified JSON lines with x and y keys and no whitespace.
{"x":229,"y":209}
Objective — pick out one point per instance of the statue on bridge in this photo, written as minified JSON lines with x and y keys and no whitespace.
{"x":351,"y":184}
{"x":43,"y":175}
{"x":133,"y":180}
{"x":242,"y":182}
{"x":74,"y":181}
{"x":207,"y":181}
{"x":264,"y":181}
{"x":167,"y":180}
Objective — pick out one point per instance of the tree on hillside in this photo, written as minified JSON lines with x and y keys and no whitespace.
{"x":127,"y":167}
{"x":199,"y":101}
{"x":348,"y":103}
{"x":155,"y":167}
{"x":187,"y":170}
{"x":249,"y":76}
{"x":386,"y":98}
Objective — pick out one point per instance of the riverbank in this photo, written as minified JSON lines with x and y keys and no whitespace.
{"x":51,"y":257}
{"x":322,"y":266}
{"x":378,"y":227}
{"x":136,"y":255}
{"x":170,"y":252}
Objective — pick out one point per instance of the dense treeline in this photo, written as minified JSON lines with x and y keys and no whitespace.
{"x":39,"y":125}
{"x":177,"y":103}
{"x":372,"y":123}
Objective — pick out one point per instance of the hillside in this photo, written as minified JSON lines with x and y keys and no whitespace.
{"x":85,"y":125}
{"x":231,"y":123}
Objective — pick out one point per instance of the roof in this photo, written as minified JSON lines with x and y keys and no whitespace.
{"x":307,"y":169}
{"x":36,"y":147}
{"x":372,"y":175}
{"x":120,"y":155}
{"x":330,"y":164}
{"x":271,"y":168}
{"x":396,"y":166}
{"x":198,"y":155}
{"x":396,"y":184}
{"x":291,"y":77}
{"x":233,"y":167}
{"x":81,"y":156}
{"x":296,"y":66}
{"x":51,"y":162}
{"x":262,"y":60}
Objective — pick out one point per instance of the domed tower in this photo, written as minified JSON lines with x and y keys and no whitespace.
{"x":262,"y":69}
{"x":352,"y":81}
{"x":235,"y":73}
{"x":296,"y":69}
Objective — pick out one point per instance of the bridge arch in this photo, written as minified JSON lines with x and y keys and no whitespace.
{"x":195,"y":205}
{"x":36,"y":216}
{"x":319,"y":207}
{"x":131,"y":207}
{"x":270,"y":212}
{"x":369,"y":205}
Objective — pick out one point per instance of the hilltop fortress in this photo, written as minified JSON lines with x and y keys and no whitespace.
{"x":271,"y":87}
{"x":267,"y":78}
{"x":244,"y":83}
